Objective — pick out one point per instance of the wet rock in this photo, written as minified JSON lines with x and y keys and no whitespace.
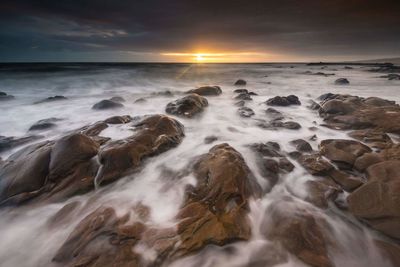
{"x":216,"y":212}
{"x":240,"y":82}
{"x":117,"y":99}
{"x":5,"y":96}
{"x":7,"y":143}
{"x":347,"y":181}
{"x":187,"y":106}
{"x":326,"y":96}
{"x":283,"y":101}
{"x":377,"y":201}
{"x":301,"y":145}
{"x":52,"y":99}
{"x":166,"y":93}
{"x":313,"y":137}
{"x":378,"y":102}
{"x":240,"y":91}
{"x":391,"y":76}
{"x":343,"y":152}
{"x":93,"y":129}
{"x":274,"y":114}
{"x":243,"y":96}
{"x":291,"y":125}
{"x":140,"y":100}
{"x":206,"y":91}
{"x":210,"y":139}
{"x":240,"y":103}
{"x":321,"y":192}
{"x":351,"y":112}
{"x":24,"y":172}
{"x":342,"y":81}
{"x":107,"y":104}
{"x":300,"y":232}
{"x":118,"y":119}
{"x":286,"y":165}
{"x":374,"y":138}
{"x":245,"y":112}
{"x":252,"y":93}
{"x":315,"y":164}
{"x":391,"y":251}
{"x":366,"y":160}
{"x":314,"y":105}
{"x":269,"y":149}
{"x":154,"y":135}
{"x":44,"y":124}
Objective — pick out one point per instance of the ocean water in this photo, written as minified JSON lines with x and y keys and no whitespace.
{"x":27,"y":240}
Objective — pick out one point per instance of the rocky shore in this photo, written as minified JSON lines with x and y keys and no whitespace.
{"x":357,"y":177}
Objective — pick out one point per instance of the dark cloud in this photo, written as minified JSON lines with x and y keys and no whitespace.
{"x":140,"y":30}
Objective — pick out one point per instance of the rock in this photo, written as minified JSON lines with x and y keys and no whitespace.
{"x":240,"y":91}
{"x":315,"y":164}
{"x":291,"y":125}
{"x":326,"y":96}
{"x":187,"y":106}
{"x":206,"y":91}
{"x":348,"y":182}
{"x":52,"y":99}
{"x":391,"y":251}
{"x":118,"y":119}
{"x":391,"y":76}
{"x":245,"y":112}
{"x":7,"y":143}
{"x":269,"y":149}
{"x":252,"y":93}
{"x":374,"y":138}
{"x":240,"y":82}
{"x":274,"y":114}
{"x":377,"y":201}
{"x":348,"y":68}
{"x":107,"y":104}
{"x":210,"y":139}
{"x":343,"y":152}
{"x":24,"y":172}
{"x":240,"y":103}
{"x":300,"y":232}
{"x":166,"y":93}
{"x":283,"y":101}
{"x":314,"y":105}
{"x":93,"y":129}
{"x":117,"y":99}
{"x":243,"y":96}
{"x":140,"y":100}
{"x":301,"y":145}
{"x":5,"y":96}
{"x":286,"y":165}
{"x":342,"y":81}
{"x":335,"y":106}
{"x":154,"y":135}
{"x":366,"y":160}
{"x":378,"y":102}
{"x":321,"y":192}
{"x":44,"y":124}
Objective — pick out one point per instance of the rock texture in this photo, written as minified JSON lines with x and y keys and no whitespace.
{"x":206,"y":90}
{"x":187,"y":106}
{"x":283,"y":101}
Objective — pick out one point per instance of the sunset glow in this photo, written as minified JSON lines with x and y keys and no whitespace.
{"x":216,"y":57}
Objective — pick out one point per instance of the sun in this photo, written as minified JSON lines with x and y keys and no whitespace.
{"x":199,"y":57}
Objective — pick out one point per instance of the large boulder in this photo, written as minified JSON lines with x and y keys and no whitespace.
{"x":377,"y":201}
{"x":187,"y":106}
{"x":154,"y":134}
{"x":206,"y":90}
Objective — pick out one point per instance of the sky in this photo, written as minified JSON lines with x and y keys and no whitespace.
{"x":198,"y":31}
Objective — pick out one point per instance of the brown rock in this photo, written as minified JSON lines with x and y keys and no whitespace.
{"x":343,"y":152}
{"x":154,"y":134}
{"x":347,"y":181}
{"x":206,"y":90}
{"x":301,"y":145}
{"x":187,"y":106}
{"x":118,"y":119}
{"x":315,"y":164}
{"x":322,"y":191}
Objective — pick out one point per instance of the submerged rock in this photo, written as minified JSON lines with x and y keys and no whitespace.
{"x":52,"y":99}
{"x":118,"y":119}
{"x":245,"y":112}
{"x":44,"y":124}
{"x":243,"y":96}
{"x":5,"y":96}
{"x":187,"y":106}
{"x":11,"y":142}
{"x":107,"y":104}
{"x":283,"y":101}
{"x":301,"y":145}
{"x":342,"y":81}
{"x":117,"y":99}
{"x":240,"y":91}
{"x":240,"y":82}
{"x":206,"y":91}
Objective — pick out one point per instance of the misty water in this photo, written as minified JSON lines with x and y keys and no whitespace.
{"x":26,"y":239}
